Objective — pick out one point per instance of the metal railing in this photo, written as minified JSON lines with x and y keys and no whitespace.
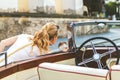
{"x":5,"y":54}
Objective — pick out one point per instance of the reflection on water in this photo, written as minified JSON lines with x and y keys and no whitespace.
{"x":112,"y":34}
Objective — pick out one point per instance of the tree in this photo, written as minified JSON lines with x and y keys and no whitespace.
{"x":110,"y":8}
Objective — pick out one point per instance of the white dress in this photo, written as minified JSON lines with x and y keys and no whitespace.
{"x":23,"y":53}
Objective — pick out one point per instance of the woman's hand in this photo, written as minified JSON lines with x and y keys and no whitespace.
{"x":7,"y":42}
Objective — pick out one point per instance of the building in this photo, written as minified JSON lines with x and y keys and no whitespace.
{"x":74,"y":7}
{"x":61,"y":6}
{"x":23,"y":6}
{"x":79,"y":7}
{"x":31,"y":6}
{"x":49,"y":6}
{"x":58,"y":6}
{"x":36,"y":6}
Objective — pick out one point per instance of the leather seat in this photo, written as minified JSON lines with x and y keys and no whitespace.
{"x":54,"y":71}
{"x":115,"y":72}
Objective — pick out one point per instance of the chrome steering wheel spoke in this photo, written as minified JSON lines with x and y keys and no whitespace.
{"x":99,"y":64}
{"x":86,"y":61}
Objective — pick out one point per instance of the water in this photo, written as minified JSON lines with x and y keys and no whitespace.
{"x":113,"y":33}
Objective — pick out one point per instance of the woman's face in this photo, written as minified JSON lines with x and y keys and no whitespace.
{"x":53,"y":40}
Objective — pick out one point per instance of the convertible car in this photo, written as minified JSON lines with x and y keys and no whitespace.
{"x":95,"y":58}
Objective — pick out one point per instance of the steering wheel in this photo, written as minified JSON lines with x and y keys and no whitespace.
{"x":94,"y":52}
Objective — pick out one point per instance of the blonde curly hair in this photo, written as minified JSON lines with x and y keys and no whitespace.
{"x":44,"y":35}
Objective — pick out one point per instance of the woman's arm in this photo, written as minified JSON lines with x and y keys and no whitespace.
{"x":7,"y":42}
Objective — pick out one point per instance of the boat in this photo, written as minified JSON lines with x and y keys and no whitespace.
{"x":95,"y":58}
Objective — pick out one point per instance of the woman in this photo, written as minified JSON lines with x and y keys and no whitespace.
{"x":26,"y":46}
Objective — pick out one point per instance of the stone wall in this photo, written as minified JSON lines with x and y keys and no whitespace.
{"x":10,"y":26}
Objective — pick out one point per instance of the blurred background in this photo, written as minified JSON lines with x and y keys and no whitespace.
{"x":27,"y":16}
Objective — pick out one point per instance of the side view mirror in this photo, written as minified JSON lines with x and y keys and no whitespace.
{"x":63,"y":46}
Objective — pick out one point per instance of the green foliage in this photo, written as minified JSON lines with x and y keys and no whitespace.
{"x":111,"y":8}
